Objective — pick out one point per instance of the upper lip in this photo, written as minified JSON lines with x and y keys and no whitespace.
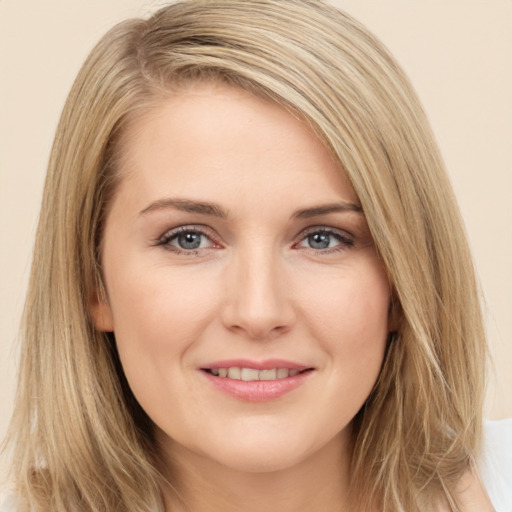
{"x":267,"y":364}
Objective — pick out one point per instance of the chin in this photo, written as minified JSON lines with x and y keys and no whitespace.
{"x":267,"y":451}
{"x":260,"y":458}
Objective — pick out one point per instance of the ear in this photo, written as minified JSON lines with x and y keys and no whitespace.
{"x":101,"y":313}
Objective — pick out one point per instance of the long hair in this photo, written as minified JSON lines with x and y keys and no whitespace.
{"x":80,"y":441}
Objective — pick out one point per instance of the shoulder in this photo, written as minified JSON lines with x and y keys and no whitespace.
{"x":495,"y":464}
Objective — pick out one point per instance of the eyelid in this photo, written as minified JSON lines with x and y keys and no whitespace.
{"x":345,"y":238}
{"x":203,"y":230}
{"x":325,"y":228}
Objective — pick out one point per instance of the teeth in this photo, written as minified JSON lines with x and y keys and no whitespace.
{"x":282,"y":373}
{"x":268,"y":374}
{"x":234,"y":373}
{"x":250,"y":374}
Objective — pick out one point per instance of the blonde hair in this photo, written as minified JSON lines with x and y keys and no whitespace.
{"x":79,"y":439}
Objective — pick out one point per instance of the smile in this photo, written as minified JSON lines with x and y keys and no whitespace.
{"x":256,"y":381}
{"x":252,"y":374}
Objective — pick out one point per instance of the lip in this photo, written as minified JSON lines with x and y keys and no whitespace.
{"x":258,"y":390}
{"x":267,"y":364}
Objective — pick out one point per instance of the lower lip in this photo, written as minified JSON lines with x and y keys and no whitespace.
{"x":257,"y":390}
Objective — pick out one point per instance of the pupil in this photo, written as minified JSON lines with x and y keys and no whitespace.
{"x":189,"y":241}
{"x":319,"y":241}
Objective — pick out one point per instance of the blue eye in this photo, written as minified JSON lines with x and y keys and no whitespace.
{"x":320,"y":241}
{"x":324,"y":239}
{"x":189,"y":241}
{"x":186,"y":240}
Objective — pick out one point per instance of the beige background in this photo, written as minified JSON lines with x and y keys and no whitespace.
{"x":458,"y":54}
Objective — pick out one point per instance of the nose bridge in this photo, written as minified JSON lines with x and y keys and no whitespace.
{"x":257,"y":299}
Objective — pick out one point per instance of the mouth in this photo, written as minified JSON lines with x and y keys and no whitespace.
{"x":253,"y":374}
{"x":256,"y":381}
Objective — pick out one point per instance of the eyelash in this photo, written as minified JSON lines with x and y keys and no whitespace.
{"x":345,"y":239}
{"x":167,"y":238}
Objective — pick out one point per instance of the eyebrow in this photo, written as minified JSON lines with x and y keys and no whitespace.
{"x":186,"y":205}
{"x":324,"y":209}
{"x":214,"y":210}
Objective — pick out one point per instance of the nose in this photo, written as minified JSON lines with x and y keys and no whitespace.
{"x":258,"y":302}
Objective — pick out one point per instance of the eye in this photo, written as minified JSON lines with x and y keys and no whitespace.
{"x":186,"y":240}
{"x":326,"y":240}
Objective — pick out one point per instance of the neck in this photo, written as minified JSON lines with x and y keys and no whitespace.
{"x":319,"y":482}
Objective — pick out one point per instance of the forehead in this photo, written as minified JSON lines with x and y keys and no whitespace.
{"x":213,"y":131}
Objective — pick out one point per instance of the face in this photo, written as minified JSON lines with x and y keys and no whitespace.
{"x":247,"y":299}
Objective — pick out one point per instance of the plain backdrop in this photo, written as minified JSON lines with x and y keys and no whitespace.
{"x":458,"y":54}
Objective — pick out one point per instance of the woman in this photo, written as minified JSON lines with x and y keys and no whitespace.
{"x":251,"y":289}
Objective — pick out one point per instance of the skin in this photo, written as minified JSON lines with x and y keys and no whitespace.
{"x":255,"y":288}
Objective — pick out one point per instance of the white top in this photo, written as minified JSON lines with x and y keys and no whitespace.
{"x":495,"y":467}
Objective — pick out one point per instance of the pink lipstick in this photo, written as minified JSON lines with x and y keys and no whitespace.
{"x":256,"y":381}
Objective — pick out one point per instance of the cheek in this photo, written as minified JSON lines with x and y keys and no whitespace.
{"x":349,"y":318}
{"x":158,"y":302}
{"x":158,"y":316}
{"x":350,"y":307}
